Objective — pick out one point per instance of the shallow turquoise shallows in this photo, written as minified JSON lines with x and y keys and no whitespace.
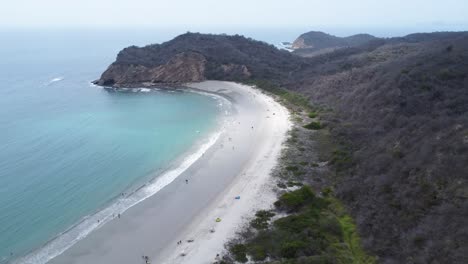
{"x":69,"y":149}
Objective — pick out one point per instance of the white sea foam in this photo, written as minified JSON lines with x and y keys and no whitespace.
{"x":90,"y":223}
{"x":137,"y":90}
{"x":57,"y":79}
{"x":67,"y":239}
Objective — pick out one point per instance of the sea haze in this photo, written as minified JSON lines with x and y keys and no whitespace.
{"x":69,"y":149}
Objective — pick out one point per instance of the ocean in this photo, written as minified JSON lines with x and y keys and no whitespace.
{"x":73,"y":155}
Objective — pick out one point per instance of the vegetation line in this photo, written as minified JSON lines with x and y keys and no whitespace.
{"x":308,"y":224}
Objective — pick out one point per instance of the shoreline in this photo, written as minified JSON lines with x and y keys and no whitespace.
{"x":254,"y":185}
{"x":153,"y":226}
{"x":131,"y":197}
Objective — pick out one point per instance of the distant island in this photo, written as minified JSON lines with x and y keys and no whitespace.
{"x":395,"y":111}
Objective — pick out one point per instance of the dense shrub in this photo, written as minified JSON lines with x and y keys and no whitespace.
{"x":292,"y":168}
{"x":257,"y":252}
{"x":291,"y":248}
{"x":314,"y":125}
{"x":297,"y":199}
{"x":330,"y":224}
{"x":239,"y":251}
{"x":341,"y":159}
{"x":319,"y":231}
{"x":296,"y":223}
{"x":261,"y":219}
{"x":312,"y":114}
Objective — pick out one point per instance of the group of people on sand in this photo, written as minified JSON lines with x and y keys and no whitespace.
{"x":212,"y":230}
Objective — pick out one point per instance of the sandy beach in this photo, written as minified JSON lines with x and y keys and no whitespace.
{"x":237,"y":164}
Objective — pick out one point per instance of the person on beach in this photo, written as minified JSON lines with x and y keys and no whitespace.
{"x":186,"y":181}
{"x":118,"y":216}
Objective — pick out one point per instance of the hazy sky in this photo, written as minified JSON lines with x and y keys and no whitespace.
{"x":196,"y":14}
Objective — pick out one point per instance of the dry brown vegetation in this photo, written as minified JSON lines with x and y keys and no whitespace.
{"x":396,"y":111}
{"x":401,"y":111}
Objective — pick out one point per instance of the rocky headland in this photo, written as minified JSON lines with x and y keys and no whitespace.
{"x":194,"y":57}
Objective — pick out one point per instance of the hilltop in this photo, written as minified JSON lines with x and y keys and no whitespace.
{"x":315,"y":41}
{"x":193,"y":57}
{"x":399,"y":111}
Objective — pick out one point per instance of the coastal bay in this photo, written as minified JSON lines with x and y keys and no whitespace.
{"x":70,"y":148}
{"x":176,"y":133}
{"x":237,"y":164}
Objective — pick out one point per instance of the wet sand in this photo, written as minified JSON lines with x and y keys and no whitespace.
{"x":238,"y":164}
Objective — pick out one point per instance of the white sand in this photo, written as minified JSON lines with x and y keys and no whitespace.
{"x":253,"y":185}
{"x":238,"y":164}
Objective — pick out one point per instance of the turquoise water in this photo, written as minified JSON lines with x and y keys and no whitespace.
{"x":69,"y":149}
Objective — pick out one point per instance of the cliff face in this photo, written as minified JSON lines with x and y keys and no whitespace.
{"x":183,"y":67}
{"x":195,"y":57}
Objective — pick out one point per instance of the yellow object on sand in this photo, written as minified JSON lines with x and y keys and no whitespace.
{"x":218,"y":219}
